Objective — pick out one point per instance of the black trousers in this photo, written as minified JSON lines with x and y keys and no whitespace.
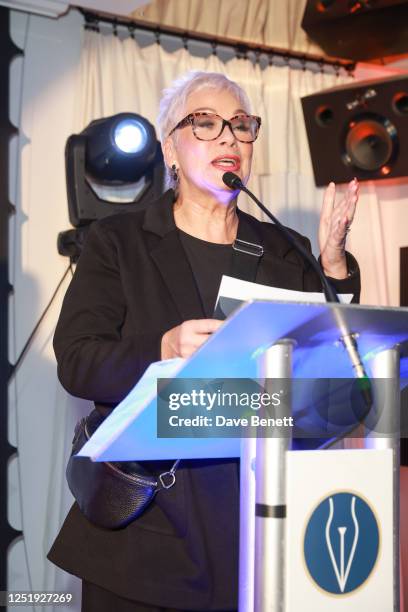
{"x":97,"y":599}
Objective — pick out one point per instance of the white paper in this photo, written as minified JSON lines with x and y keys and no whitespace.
{"x":236,"y":289}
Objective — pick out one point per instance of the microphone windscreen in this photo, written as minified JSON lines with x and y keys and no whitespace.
{"x":232,"y":180}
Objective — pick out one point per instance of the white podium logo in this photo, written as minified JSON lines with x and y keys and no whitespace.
{"x":341,"y":543}
{"x":341,"y":573}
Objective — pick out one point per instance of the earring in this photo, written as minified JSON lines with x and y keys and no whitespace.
{"x":175,"y":173}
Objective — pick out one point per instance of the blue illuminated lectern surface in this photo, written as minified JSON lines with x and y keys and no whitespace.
{"x":130,"y":432}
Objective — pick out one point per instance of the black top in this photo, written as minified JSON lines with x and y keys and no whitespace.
{"x":208,"y":261}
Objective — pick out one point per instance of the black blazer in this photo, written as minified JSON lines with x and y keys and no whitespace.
{"x":133,"y":282}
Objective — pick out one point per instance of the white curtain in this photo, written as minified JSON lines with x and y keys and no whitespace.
{"x":118,"y":75}
{"x":270,"y":22}
{"x":64,"y":81}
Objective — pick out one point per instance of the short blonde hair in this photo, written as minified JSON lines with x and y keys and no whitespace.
{"x":174,"y":99}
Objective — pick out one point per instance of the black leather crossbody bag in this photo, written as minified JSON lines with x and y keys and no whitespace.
{"x":112,"y":494}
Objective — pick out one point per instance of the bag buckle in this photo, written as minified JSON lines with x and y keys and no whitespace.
{"x":167,"y":479}
{"x":249,"y":248}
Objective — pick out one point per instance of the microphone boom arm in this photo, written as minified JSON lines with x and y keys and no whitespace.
{"x":347,"y":338}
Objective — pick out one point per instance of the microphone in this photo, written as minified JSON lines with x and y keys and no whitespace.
{"x":347,"y":338}
{"x":234,"y":182}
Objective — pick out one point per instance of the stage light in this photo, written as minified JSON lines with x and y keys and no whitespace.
{"x":119,"y":148}
{"x":130,"y":136}
{"x":114,"y":165}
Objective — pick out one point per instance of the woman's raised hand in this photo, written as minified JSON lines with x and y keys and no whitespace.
{"x":335,"y":221}
{"x":183,"y":340}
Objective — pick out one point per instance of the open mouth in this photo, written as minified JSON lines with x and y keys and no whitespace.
{"x":231,"y":164}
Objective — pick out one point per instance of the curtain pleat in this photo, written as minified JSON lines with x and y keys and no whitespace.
{"x":261,"y":21}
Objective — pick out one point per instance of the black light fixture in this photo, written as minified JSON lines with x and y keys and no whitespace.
{"x":358,"y":29}
{"x":358,"y":129}
{"x":114,"y":165}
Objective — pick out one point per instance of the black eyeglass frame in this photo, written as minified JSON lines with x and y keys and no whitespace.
{"x":189,"y":120}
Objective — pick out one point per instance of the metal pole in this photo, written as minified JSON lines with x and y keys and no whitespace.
{"x":386,"y":393}
{"x":270,"y":485}
{"x":247,"y":526}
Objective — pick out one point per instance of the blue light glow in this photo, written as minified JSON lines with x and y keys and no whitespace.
{"x":130,"y":136}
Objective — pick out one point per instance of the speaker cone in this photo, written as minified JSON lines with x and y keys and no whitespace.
{"x":370,"y":143}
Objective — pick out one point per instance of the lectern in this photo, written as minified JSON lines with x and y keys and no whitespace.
{"x":319,"y":526}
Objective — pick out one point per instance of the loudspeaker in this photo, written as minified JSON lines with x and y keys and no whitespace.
{"x":358,"y":29}
{"x":358,"y":130}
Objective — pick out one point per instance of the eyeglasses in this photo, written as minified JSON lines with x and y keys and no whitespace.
{"x":208,"y":126}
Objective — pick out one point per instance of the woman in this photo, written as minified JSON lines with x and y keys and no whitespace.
{"x":144,"y":290}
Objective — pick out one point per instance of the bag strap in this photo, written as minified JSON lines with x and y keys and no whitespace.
{"x":88,"y":425}
{"x":247,"y":253}
{"x":248,"y":249}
